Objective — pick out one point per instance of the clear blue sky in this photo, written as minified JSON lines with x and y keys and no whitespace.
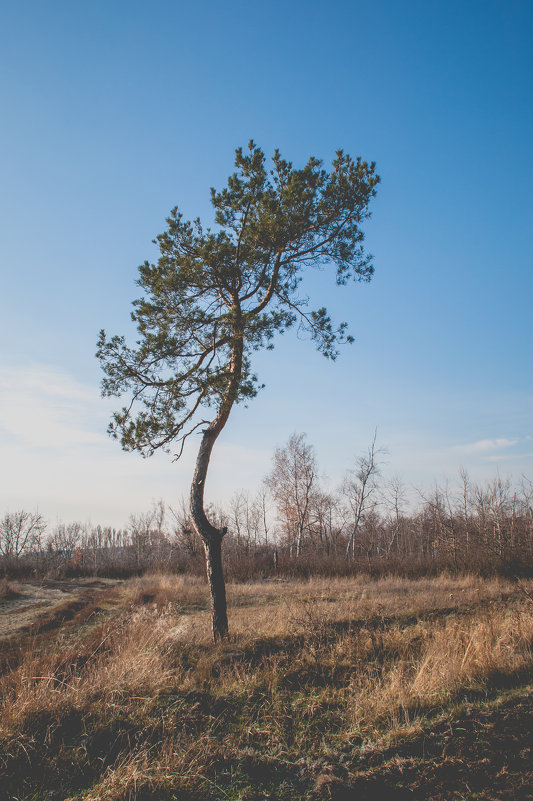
{"x":115,"y":112}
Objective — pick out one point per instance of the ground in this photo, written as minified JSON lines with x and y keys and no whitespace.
{"x":327,"y":689}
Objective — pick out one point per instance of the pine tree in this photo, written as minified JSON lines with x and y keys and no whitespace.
{"x":215,"y":296}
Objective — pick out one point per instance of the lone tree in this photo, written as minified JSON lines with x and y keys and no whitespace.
{"x":215,"y":296}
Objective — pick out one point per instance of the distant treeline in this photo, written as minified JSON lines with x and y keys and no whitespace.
{"x":293,"y":527}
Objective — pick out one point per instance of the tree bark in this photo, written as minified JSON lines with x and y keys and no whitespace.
{"x":210,"y":535}
{"x":215,"y":576}
{"x":211,"y":538}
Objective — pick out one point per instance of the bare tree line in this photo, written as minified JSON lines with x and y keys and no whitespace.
{"x":293,"y":525}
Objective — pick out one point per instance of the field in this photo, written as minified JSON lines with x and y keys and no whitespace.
{"x":326,"y":689}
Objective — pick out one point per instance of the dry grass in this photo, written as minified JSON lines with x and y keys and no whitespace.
{"x":183,"y":593}
{"x":435,"y":663}
{"x":8,"y":589}
{"x":125,"y":658}
{"x":310,"y":668}
{"x":155,"y":768}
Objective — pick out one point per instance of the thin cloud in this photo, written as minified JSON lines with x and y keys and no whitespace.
{"x":508,"y":457}
{"x":483,"y":446}
{"x":43,"y":408}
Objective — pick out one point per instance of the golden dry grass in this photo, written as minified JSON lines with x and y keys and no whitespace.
{"x":435,"y":662}
{"x":309,"y":666}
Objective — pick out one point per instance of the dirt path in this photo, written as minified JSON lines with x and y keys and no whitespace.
{"x":40,"y":606}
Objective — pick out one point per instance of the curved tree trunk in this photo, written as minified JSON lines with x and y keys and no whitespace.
{"x":210,"y":535}
{"x":211,"y":539}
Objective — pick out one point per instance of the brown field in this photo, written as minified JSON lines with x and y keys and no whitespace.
{"x":326,"y":689}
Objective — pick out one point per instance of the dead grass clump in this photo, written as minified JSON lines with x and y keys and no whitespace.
{"x":435,"y":662}
{"x":122,"y":782}
{"x":128,"y":657}
{"x":138,"y":659}
{"x":8,"y":589}
{"x":464,"y":652}
{"x":173,"y":765}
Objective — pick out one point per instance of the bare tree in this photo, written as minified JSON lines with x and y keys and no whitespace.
{"x":65,"y":539}
{"x":394,"y":499}
{"x":325,"y":526}
{"x":358,"y":489}
{"x":238,"y":508}
{"x":261,"y":503}
{"x":147,"y":534}
{"x":19,"y":532}
{"x":183,"y":530}
{"x":247,"y":519}
{"x":292,"y":483}
{"x":526,"y":496}
{"x":494,"y":507}
{"x":445,"y":524}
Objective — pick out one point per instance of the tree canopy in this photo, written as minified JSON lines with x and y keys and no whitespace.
{"x":240,"y":281}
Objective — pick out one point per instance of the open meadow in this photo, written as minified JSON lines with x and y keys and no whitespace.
{"x":266,"y":431}
{"x":340,"y":688}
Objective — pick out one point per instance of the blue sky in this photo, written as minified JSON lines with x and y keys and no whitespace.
{"x":115,"y":112}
